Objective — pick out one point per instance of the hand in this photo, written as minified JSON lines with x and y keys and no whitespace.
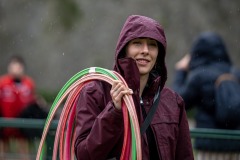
{"x":183,"y":64}
{"x":117,"y":92}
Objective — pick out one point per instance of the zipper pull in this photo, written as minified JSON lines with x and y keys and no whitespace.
{"x":141,"y":101}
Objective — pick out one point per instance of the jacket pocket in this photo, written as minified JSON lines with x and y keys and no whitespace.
{"x":166,"y":134}
{"x":166,"y":129}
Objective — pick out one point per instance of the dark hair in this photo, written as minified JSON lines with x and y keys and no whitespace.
{"x":18,"y":59}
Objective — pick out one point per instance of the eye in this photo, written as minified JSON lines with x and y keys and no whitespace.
{"x":136,"y":42}
{"x":153,"y":43}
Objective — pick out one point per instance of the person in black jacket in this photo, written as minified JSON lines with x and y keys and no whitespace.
{"x":195,"y":77}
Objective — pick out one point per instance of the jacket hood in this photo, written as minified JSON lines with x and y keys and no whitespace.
{"x":208,"y":48}
{"x":137,"y":26}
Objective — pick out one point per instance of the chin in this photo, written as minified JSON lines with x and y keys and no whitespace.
{"x":143,"y":72}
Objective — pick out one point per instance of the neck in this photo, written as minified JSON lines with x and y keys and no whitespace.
{"x":143,"y":82}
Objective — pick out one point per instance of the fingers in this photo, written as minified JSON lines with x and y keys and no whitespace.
{"x":119,"y":88}
{"x":118,"y":91}
{"x":118,"y":97}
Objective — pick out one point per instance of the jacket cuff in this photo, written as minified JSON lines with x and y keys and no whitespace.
{"x":115,"y":112}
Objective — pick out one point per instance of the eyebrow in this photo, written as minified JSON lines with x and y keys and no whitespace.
{"x":146,"y":38}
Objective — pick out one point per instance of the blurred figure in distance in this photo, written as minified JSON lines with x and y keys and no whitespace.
{"x":17,"y":91}
{"x":195,"y":80}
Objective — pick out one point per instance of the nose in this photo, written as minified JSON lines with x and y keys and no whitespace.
{"x":145,"y":49}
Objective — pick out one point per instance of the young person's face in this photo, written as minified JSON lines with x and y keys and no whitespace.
{"x":144,"y":51}
{"x":16,"y":69}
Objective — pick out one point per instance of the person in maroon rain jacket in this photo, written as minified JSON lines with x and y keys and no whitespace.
{"x":140,"y":59}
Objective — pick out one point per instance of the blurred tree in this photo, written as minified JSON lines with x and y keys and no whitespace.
{"x":68,"y":12}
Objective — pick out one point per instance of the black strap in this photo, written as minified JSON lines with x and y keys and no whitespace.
{"x":150,"y":114}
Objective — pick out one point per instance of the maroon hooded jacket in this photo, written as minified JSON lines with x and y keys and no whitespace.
{"x":99,"y":127}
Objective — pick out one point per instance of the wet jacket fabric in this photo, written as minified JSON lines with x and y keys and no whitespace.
{"x":99,"y":126}
{"x":209,"y":59}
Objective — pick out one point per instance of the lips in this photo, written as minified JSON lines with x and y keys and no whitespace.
{"x":142,"y":61}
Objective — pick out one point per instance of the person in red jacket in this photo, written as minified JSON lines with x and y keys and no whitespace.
{"x":16,"y":93}
{"x":140,"y":59}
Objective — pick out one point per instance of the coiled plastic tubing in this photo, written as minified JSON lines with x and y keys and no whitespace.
{"x":65,"y":133}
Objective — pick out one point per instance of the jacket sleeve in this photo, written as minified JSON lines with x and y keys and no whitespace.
{"x":187,"y":86}
{"x":98,"y":128}
{"x":184,"y":145}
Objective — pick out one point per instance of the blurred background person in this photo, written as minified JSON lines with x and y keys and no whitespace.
{"x":17,"y":91}
{"x":195,"y":78}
